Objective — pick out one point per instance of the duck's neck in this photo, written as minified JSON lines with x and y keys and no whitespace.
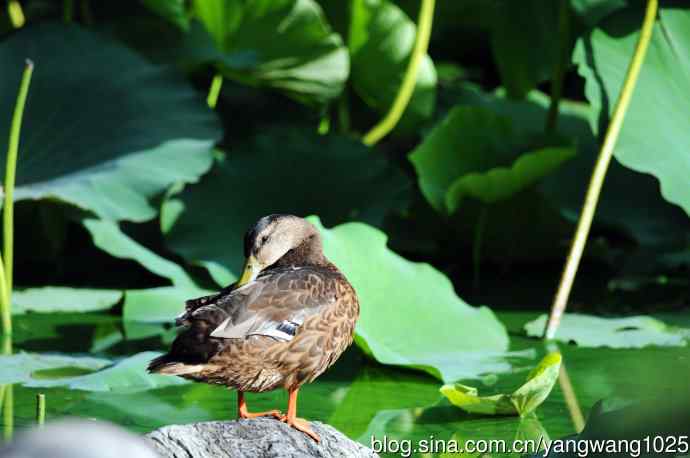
{"x":307,"y":253}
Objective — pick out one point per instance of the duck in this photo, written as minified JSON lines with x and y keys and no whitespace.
{"x":288,"y":318}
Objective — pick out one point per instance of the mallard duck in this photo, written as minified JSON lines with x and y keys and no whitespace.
{"x":286,"y":320}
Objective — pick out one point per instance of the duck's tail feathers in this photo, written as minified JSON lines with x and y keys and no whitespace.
{"x":167,"y":366}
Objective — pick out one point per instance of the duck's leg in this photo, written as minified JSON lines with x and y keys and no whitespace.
{"x":242,"y":411}
{"x":291,"y":418}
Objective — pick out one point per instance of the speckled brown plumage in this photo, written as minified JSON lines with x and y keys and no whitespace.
{"x":262,"y":363}
{"x":280,"y":330}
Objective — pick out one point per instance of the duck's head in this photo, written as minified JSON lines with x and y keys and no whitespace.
{"x":279,"y":239}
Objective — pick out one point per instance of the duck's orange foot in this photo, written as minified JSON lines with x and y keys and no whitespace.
{"x":269,"y":413}
{"x":300,"y":424}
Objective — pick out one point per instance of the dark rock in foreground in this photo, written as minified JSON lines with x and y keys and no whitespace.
{"x":256,"y":438}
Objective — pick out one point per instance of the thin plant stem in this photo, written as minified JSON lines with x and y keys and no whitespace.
{"x":16,"y":14}
{"x":559,"y":69}
{"x":571,"y":400}
{"x":597,"y":180}
{"x":6,"y":395}
{"x":40,"y":409}
{"x":3,"y":389}
{"x":386,"y":125}
{"x":214,"y":91}
{"x":6,"y":345}
{"x":5,"y":350}
{"x":568,"y":391}
{"x":8,"y":413}
{"x":8,"y":213}
{"x":5,"y":304}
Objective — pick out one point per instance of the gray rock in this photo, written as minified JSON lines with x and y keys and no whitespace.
{"x":75,"y":438}
{"x":256,"y":438}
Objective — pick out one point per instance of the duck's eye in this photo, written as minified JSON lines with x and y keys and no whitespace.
{"x":264,"y":239}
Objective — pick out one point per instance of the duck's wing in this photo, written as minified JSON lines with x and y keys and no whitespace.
{"x":276,"y":304}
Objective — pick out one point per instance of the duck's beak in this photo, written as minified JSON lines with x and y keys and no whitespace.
{"x":252,"y":267}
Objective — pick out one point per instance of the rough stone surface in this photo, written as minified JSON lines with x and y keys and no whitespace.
{"x":76,"y":438}
{"x":256,"y":438}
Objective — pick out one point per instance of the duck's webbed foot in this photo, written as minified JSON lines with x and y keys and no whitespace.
{"x":300,"y":424}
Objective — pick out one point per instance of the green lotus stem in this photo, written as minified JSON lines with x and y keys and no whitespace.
{"x":568,"y":391}
{"x":214,"y":91}
{"x":5,"y":309}
{"x":559,"y":69}
{"x":597,"y":179}
{"x":6,"y":345}
{"x":571,"y":400}
{"x":8,"y":413}
{"x":8,"y":214}
{"x":16,"y":14}
{"x":6,"y":391}
{"x":386,"y":125}
{"x":40,"y":409}
{"x":3,"y":390}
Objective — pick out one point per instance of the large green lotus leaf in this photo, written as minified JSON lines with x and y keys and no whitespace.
{"x":280,"y":171}
{"x":491,"y":142}
{"x":593,"y":331}
{"x":522,"y":401}
{"x":108,"y":237}
{"x":472,"y":151}
{"x":465,"y":141}
{"x":103,"y":128}
{"x":656,"y":132}
{"x":33,"y":369}
{"x":410,"y":314}
{"x":500,"y":183}
{"x":630,"y":201}
{"x":284,"y":44}
{"x":127,"y":375}
{"x":381,"y":38}
{"x":63,"y":299}
{"x":83,"y":373}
